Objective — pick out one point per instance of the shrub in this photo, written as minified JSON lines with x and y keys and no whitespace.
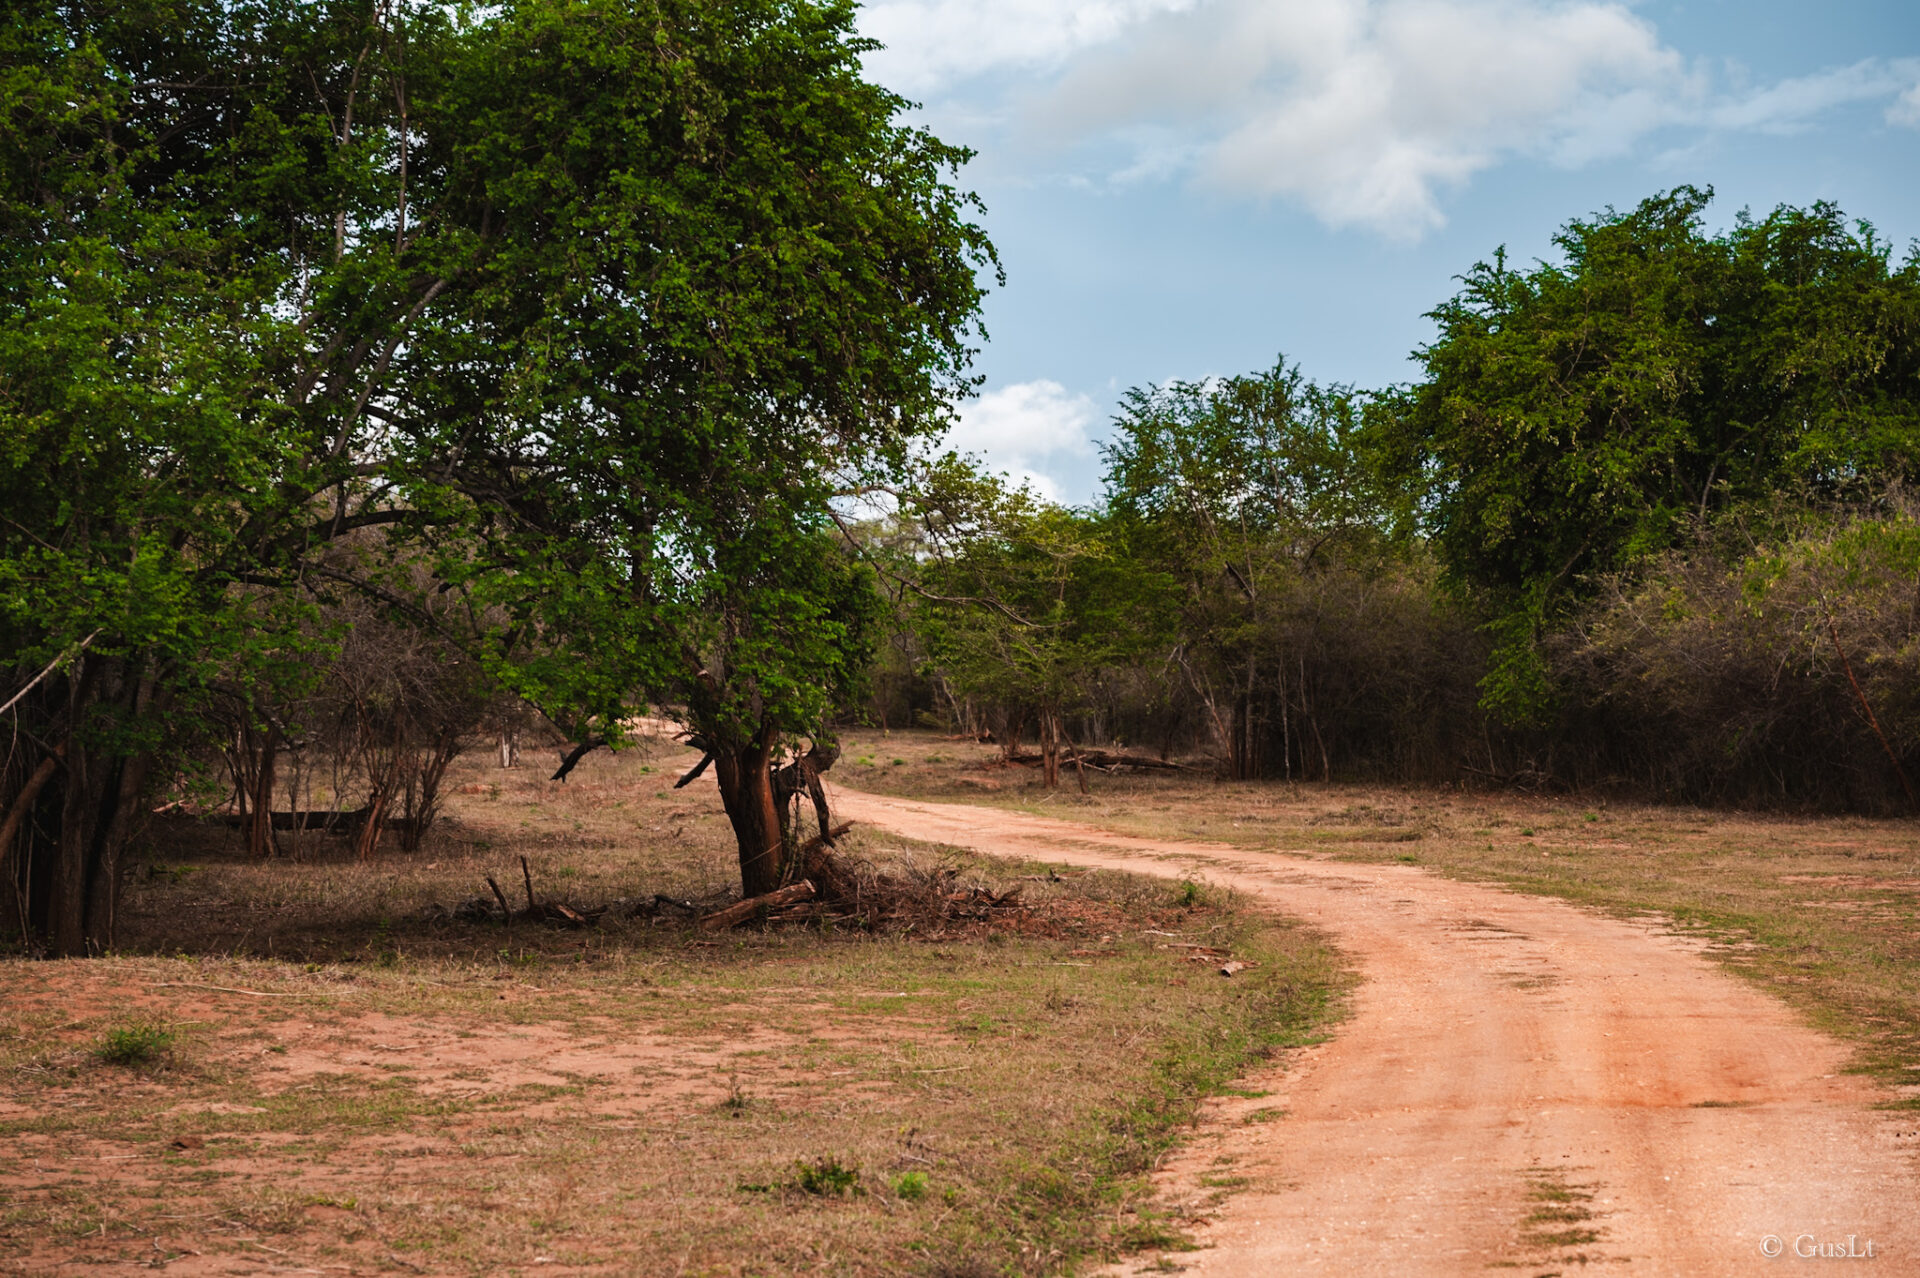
{"x":1784,"y":672}
{"x":826,"y":1177}
{"x":138,"y":1044}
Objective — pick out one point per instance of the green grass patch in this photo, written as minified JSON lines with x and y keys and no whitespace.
{"x":136,"y":1045}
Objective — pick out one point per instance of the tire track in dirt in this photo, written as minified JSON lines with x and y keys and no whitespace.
{"x":1523,"y":1087}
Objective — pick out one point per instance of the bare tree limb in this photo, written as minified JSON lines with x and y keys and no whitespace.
{"x":574,"y":756}
{"x":1866,"y":709}
{"x":53,"y":665}
{"x":693,"y":773}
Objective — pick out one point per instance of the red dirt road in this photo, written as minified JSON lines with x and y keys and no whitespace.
{"x":1523,"y":1087}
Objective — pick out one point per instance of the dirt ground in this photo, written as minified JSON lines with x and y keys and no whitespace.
{"x":347,"y":1076}
{"x":1523,"y":1084}
{"x":1684,"y":1034}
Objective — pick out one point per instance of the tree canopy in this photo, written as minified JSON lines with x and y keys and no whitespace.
{"x":1586,"y":413}
{"x":592,"y":307}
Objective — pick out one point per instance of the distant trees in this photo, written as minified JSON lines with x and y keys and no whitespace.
{"x":1022,"y":614}
{"x":1239,"y":492}
{"x":1244,"y":579}
{"x":1647,"y":519}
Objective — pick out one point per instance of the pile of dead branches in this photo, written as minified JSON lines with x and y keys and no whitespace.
{"x":834,"y":888}
{"x":1098,"y":760}
{"x":552,"y":913}
{"x":831,"y":888}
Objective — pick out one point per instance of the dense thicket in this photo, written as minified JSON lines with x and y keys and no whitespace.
{"x":1582,"y":417}
{"x":1643,"y":522}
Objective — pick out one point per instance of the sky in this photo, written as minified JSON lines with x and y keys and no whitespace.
{"x":1196,"y":188}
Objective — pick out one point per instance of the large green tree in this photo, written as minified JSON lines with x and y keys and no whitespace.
{"x":1236,"y":492}
{"x":1580,"y":415}
{"x":727,"y":286}
{"x":183,"y":368}
{"x":600,"y":303}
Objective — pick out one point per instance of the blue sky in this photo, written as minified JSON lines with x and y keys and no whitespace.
{"x":1188,"y":188}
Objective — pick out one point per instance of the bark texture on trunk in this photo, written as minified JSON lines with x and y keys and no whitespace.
{"x":70,"y":811}
{"x":1050,"y":749}
{"x":802,"y":776}
{"x":745,"y":777}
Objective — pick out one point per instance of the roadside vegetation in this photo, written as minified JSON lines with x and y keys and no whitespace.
{"x":1643,"y":526}
{"x":314,"y":1062}
{"x":1821,"y":911}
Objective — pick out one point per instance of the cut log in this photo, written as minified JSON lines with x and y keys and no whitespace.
{"x":754,"y":906}
{"x":819,"y":841}
{"x":336,"y":822}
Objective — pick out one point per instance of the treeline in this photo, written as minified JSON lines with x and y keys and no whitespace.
{"x":1646,"y":522}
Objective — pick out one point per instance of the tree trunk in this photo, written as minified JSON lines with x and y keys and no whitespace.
{"x":67,"y":826}
{"x":260,"y":841}
{"x":423,"y":791}
{"x":1050,"y":749}
{"x":802,"y":776}
{"x":745,"y":777}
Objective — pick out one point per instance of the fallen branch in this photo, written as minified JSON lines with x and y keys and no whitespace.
{"x":229,"y":989}
{"x":740,"y":911}
{"x":342,"y":822}
{"x":1101,"y":760}
{"x":537,"y":911}
{"x":506,"y":911}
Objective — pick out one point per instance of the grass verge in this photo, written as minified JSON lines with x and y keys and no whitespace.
{"x":1823,"y":912}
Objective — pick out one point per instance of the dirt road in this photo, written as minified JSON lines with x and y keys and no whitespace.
{"x":1523,"y":1087}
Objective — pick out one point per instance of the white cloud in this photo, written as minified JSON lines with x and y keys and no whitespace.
{"x":1906,"y":108}
{"x":1365,"y":110}
{"x":1026,"y":430}
{"x":1792,"y":104}
{"x":931,"y":43}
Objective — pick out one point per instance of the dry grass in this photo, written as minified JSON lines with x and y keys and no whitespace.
{"x":355,"y":1079}
{"x":1822,"y":911}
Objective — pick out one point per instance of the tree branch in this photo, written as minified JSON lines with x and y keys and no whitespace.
{"x":68,"y":655}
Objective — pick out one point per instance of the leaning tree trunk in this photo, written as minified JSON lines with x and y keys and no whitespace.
{"x":802,"y":776}
{"x":745,"y":776}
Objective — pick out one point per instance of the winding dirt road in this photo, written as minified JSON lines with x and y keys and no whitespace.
{"x":1523,"y":1087}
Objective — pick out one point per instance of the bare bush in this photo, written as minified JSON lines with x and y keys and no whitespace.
{"x":1779,"y":673}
